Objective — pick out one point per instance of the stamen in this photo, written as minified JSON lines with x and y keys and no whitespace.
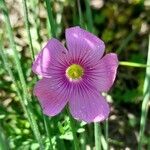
{"x":74,"y":72}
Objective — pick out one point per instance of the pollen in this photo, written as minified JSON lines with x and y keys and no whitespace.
{"x":75,"y":72}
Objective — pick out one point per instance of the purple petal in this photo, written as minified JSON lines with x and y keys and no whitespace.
{"x":81,"y":43}
{"x":102,"y":76}
{"x":89,"y":106}
{"x":51,"y":96}
{"x":50,"y":59}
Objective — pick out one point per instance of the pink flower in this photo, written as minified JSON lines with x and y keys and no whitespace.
{"x":76,"y":75}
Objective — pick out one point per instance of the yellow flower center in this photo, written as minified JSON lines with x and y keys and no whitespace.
{"x":74,"y":72}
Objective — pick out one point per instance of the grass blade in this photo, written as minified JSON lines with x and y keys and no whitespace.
{"x":50,"y":17}
{"x":20,"y":72}
{"x":89,"y":16}
{"x":25,"y":10}
{"x":133,"y":64}
{"x":146,"y":93}
{"x":3,"y":142}
{"x":80,"y":13}
{"x":47,"y":126}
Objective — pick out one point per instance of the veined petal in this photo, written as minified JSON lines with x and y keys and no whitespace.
{"x":51,"y":96}
{"x":89,"y":106}
{"x":102,"y":76}
{"x":50,"y":60}
{"x":84,"y":44}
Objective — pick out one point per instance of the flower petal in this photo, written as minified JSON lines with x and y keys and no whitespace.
{"x":89,"y":106}
{"x":102,"y":76}
{"x":51,"y":96}
{"x":50,"y":59}
{"x":83,"y":43}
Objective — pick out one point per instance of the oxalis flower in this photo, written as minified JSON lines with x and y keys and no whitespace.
{"x":76,"y":75}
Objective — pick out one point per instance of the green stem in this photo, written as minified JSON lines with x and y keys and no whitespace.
{"x":3,"y":142}
{"x":80,"y":13}
{"x":89,"y":16}
{"x":97,"y":133}
{"x":47,"y":126}
{"x":132,"y":64}
{"x":146,"y":93}
{"x":28,"y":28}
{"x":73,"y":128}
{"x":126,"y":41}
{"x":50,"y":17}
{"x":26,"y":97}
{"x":106,"y":134}
{"x":8,"y":69}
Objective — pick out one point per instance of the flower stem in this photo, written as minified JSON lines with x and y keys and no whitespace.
{"x":97,"y":133}
{"x":146,"y":93}
{"x":75,"y":139}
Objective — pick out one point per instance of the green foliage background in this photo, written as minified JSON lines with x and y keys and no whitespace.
{"x":124,"y":27}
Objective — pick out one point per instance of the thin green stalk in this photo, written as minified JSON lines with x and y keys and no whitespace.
{"x":47,"y":126}
{"x":80,"y":13}
{"x":106,"y":134}
{"x":35,"y":10}
{"x":51,"y":18}
{"x":20,"y":71}
{"x":73,"y":128}
{"x":126,"y":41}
{"x":3,"y":142}
{"x":27,"y":24}
{"x":46,"y":121}
{"x":132,"y":64}
{"x":89,"y":16}
{"x":104,"y":143}
{"x":97,"y":133}
{"x":8,"y":69}
{"x":146,"y":93}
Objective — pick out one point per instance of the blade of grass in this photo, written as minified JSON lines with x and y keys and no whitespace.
{"x":80,"y":13}
{"x":35,"y":9}
{"x":97,"y":133}
{"x":20,"y":72}
{"x":132,"y":64}
{"x":146,"y":94}
{"x":48,"y":131}
{"x":27,"y":24}
{"x":126,"y":41}
{"x":50,"y":17}
{"x":46,"y":121}
{"x":3,"y":142}
{"x":8,"y":69}
{"x":106,"y":134}
{"x":89,"y":16}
